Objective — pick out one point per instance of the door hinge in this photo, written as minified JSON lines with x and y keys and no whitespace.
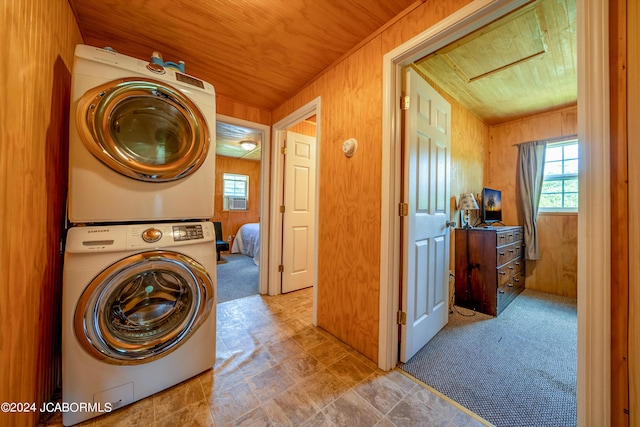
{"x":403,"y":209}
{"x":282,"y":209}
{"x":283,"y":150}
{"x":281,"y":268}
{"x":402,"y":318}
{"x":405,"y":102}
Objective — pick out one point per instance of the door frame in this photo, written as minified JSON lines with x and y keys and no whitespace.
{"x":277,"y":184}
{"x":594,"y":218}
{"x":265,"y":152}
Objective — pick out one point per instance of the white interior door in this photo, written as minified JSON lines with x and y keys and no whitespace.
{"x":427,"y":138}
{"x":298,"y":222}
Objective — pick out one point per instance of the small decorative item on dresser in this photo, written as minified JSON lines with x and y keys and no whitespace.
{"x":467,"y":202}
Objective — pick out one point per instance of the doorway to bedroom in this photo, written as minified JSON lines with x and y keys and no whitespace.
{"x":239,"y":209}
{"x":294,"y":201}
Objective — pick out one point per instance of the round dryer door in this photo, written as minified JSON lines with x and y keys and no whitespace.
{"x":143,"y":307}
{"x":143,"y":129}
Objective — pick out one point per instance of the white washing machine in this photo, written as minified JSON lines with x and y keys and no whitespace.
{"x":138,"y":312}
{"x":141,"y":141}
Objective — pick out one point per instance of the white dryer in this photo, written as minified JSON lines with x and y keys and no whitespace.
{"x":141,"y":141}
{"x":138,"y":312}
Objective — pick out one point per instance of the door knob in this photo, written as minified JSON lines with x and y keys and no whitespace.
{"x":450,"y":224}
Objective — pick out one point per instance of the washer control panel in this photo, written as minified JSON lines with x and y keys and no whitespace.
{"x":113,"y":238}
{"x":187,"y":232}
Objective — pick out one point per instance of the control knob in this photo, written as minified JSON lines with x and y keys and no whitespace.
{"x":151,"y":235}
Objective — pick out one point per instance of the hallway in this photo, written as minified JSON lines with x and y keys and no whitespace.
{"x":275,"y":369}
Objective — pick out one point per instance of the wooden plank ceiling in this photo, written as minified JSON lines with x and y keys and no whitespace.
{"x":522,"y":64}
{"x":262,"y":52}
{"x":259,"y":52}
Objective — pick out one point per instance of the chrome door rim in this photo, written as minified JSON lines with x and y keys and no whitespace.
{"x":93,"y":115}
{"x":92,"y":327}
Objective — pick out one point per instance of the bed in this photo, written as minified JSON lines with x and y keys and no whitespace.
{"x":247,"y":241}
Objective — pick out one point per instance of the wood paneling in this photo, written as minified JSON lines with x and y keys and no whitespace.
{"x":232,"y":108}
{"x":350,"y":188}
{"x":35,"y":82}
{"x":626,"y":280}
{"x":556,"y":271}
{"x":349,"y":203}
{"x":273,"y":47}
{"x":232,"y":220}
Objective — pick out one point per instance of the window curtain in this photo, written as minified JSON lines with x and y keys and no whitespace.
{"x":531,"y":174}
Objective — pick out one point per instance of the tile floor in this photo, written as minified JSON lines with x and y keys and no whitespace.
{"x":274,"y":368}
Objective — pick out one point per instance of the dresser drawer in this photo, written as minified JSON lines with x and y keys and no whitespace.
{"x":518,"y":235}
{"x":505,"y":293}
{"x":518,"y":281}
{"x":509,"y":290}
{"x":504,"y":254}
{"x":508,"y":270}
{"x":518,"y":249}
{"x":504,"y":238}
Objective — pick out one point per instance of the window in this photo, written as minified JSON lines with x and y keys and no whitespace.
{"x":235,"y":191}
{"x":560,"y":186}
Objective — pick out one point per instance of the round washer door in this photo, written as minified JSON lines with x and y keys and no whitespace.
{"x":143,"y":307}
{"x":143,"y":129}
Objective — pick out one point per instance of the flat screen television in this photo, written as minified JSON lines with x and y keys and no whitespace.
{"x":491,"y":206}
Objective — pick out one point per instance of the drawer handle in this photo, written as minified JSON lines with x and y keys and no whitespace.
{"x":517,"y":263}
{"x":510,"y":285}
{"x":502,"y":237}
{"x":511,"y":250}
{"x":501,"y":292}
{"x":501,"y":253}
{"x":511,"y":267}
{"x":516,"y":280}
{"x":502,"y":273}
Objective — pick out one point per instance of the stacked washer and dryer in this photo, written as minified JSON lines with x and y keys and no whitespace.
{"x":139,"y":294}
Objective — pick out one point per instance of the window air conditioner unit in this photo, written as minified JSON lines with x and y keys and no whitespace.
{"x":237,"y":204}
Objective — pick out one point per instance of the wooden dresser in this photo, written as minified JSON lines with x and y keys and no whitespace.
{"x":489,"y":267}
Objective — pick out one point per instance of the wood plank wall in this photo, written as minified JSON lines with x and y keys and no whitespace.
{"x":233,"y":108}
{"x":35,"y":81}
{"x":232,"y":220}
{"x":556,"y":271}
{"x":350,"y":188}
{"x":622,"y":337}
{"x":625,"y":292}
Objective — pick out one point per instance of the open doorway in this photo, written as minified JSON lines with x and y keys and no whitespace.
{"x":241,"y":201}
{"x":295,"y":246}
{"x":593,"y":114}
